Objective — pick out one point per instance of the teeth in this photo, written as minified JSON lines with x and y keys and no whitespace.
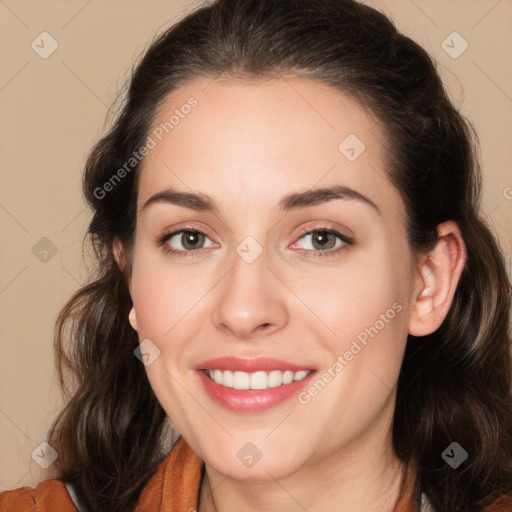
{"x":256,"y":380}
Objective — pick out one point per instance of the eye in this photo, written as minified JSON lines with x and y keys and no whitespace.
{"x":324,"y":241}
{"x":184,"y":242}
{"x":190,"y":242}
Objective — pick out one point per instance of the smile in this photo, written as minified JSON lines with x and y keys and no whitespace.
{"x":255,"y":380}
{"x":244,"y":399}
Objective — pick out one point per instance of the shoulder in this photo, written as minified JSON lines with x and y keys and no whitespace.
{"x":502,"y":504}
{"x":49,"y":495}
{"x":176,"y":482}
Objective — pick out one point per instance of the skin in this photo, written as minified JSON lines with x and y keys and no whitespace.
{"x":247,"y":144}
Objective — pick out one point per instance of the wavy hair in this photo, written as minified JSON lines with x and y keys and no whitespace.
{"x":454,"y":385}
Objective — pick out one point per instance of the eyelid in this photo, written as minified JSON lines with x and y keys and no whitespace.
{"x":168,"y":232}
{"x":324,"y":227}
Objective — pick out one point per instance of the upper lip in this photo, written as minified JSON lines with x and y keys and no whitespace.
{"x":250,"y":365}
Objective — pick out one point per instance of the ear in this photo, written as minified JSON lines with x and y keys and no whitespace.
{"x":122,"y":262}
{"x":436,"y":280}
{"x":121,"y":259}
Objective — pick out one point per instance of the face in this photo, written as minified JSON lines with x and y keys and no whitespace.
{"x":262,"y":266}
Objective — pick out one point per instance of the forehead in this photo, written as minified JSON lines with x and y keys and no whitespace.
{"x":232,"y":138}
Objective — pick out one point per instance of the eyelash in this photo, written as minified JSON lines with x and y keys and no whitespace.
{"x":347,"y":241}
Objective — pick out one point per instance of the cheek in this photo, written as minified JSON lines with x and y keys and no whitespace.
{"x":167,"y":300}
{"x":359,"y":312}
{"x":347,"y":299}
{"x":360,"y":318}
{"x":164,"y":295}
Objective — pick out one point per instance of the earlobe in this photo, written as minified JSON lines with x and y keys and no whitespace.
{"x":439,"y":273}
{"x":132,"y":317}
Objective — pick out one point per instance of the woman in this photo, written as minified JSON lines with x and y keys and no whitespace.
{"x":292,"y":270}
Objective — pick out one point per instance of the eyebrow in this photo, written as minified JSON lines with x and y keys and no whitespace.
{"x":297,"y":200}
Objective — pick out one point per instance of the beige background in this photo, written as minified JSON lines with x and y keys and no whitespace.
{"x":52,"y":110}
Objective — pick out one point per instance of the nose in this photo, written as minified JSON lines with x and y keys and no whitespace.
{"x":250,"y":301}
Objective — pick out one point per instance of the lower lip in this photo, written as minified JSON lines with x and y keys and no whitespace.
{"x":252,"y":400}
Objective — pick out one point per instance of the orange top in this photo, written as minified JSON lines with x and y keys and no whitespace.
{"x":173,"y":488}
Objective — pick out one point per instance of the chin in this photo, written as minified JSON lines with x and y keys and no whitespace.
{"x":246,"y":460}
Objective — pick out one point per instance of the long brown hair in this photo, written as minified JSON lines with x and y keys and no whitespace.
{"x":455,"y":384}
